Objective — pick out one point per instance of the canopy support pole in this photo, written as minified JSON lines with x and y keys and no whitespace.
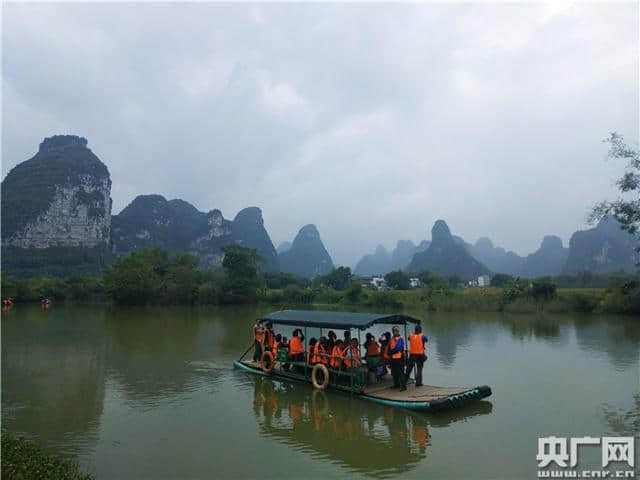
{"x":306,"y":349}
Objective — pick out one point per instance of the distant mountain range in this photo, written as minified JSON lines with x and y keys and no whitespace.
{"x":446,"y":255}
{"x":605,"y":248}
{"x":56,"y":219}
{"x":179,"y":227}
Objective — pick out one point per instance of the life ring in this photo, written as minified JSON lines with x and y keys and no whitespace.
{"x":267,"y":368}
{"x":319,"y":367}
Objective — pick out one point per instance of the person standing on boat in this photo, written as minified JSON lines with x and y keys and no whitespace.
{"x":258,"y":337}
{"x":296,"y":347}
{"x":396,"y":352}
{"x":269,"y":337}
{"x":416,"y":354}
{"x":384,"y":351}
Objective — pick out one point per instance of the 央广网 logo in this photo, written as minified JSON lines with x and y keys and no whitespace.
{"x":564,"y":452}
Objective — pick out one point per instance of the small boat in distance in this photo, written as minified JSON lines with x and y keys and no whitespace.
{"x":355,"y":380}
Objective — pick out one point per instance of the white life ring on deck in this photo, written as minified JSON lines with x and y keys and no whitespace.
{"x":267,"y":367}
{"x":319,"y":367}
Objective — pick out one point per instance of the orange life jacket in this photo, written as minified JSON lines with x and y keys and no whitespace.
{"x":373,"y":350}
{"x":310,"y":350}
{"x":318,"y":354}
{"x":268,"y":338}
{"x":416,"y":347}
{"x":335,"y":357}
{"x":295,"y":346}
{"x":385,"y":352}
{"x":356,"y":355}
{"x":274,"y":349}
{"x":351,"y":356}
{"x":392,"y":345}
{"x":258,"y":333}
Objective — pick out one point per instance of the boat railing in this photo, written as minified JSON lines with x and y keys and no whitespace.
{"x":355,"y":376}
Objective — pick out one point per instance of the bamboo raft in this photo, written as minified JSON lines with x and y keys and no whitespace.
{"x":425,"y":398}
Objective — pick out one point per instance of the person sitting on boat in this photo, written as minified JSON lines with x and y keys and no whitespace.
{"x":296,"y":347}
{"x":311,"y":349}
{"x":258,"y":338}
{"x":333,"y":338}
{"x":336,"y":355}
{"x":347,"y":337}
{"x":396,"y":352}
{"x":352,"y":354}
{"x":417,"y":356}
{"x":319,"y":351}
{"x":372,"y":351}
{"x":275,"y":345}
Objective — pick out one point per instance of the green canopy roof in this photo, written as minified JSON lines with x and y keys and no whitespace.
{"x":320,"y":319}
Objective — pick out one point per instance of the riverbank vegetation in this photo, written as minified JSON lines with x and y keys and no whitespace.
{"x":153,"y":276}
{"x":23,"y":459}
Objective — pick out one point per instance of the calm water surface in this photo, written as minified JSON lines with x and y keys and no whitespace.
{"x":152,"y":393}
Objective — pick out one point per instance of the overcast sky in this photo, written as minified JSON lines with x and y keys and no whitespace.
{"x":371,"y":121}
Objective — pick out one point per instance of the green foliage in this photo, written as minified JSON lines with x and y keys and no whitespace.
{"x":152,"y":276}
{"x":208,"y":293}
{"x":383,"y":300}
{"x":276,"y":280}
{"x":353,"y":293}
{"x":516,"y":288}
{"x":543,"y":291}
{"x":55,"y":261}
{"x":454,"y":281}
{"x":243,"y":280}
{"x":501,"y":280}
{"x":625,"y":210}
{"x":594,"y":280}
{"x":398,"y":280}
{"x":429,"y":278}
{"x":624,"y":299}
{"x":298,"y":295}
{"x":136,"y":278}
{"x":338,"y":278}
{"x":23,"y":459}
{"x":181,"y":282}
{"x":35,"y":289}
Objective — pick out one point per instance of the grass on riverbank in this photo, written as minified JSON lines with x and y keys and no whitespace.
{"x":24,"y":460}
{"x":488,"y":299}
{"x":492,"y":299}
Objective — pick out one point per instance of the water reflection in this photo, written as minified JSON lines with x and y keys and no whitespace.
{"x":367,"y":438}
{"x":53,"y":380}
{"x":618,"y":338}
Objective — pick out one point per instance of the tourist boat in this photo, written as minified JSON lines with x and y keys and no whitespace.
{"x":355,"y":381}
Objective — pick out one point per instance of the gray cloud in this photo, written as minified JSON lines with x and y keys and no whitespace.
{"x":370,"y":121}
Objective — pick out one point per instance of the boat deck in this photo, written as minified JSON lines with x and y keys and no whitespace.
{"x":423,"y":397}
{"x":425,"y":393}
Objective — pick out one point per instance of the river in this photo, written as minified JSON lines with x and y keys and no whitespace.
{"x":152,"y":393}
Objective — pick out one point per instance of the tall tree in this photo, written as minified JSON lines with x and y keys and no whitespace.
{"x":398,"y":280}
{"x":624,"y":209}
{"x":242,"y":278}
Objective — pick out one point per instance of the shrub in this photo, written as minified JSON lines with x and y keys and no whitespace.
{"x":208,"y":293}
{"x":23,"y":459}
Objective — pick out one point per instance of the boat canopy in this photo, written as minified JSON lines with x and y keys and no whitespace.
{"x":320,"y":319}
